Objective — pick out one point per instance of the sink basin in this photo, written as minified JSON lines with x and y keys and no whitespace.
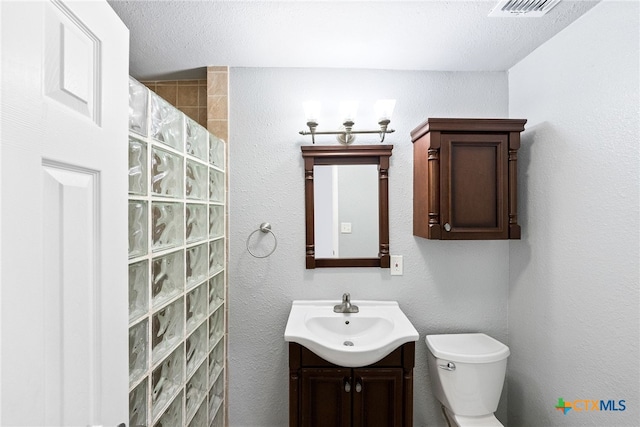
{"x":349,"y":339}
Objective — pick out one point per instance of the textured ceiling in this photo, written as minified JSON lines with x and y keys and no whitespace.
{"x":176,"y":39}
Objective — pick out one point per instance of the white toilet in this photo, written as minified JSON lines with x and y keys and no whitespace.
{"x":467,"y":374}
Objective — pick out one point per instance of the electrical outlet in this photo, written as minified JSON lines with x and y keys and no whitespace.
{"x":396,"y":265}
{"x":345,"y":227}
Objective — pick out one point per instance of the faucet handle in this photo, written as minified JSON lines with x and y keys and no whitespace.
{"x":346,"y":297}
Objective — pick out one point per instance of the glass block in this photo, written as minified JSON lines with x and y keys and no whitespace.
{"x":138,"y":95}
{"x":196,"y":265}
{"x":168,"y":272}
{"x":167,"y":325}
{"x":137,"y":167}
{"x":166,"y":380}
{"x":197,"y":140}
{"x":216,"y":291}
{"x":138,"y":289}
{"x":196,"y":348}
{"x":196,"y":307}
{"x":216,"y":360}
{"x":196,"y":222}
{"x":138,"y":405}
{"x":218,"y":419}
{"x":216,"y":221}
{"x":216,"y":327}
{"x":216,"y":186}
{"x":138,"y":350}
{"x":166,"y":173}
{"x":216,"y":256}
{"x":196,"y":390}
{"x":137,"y":228}
{"x":167,"y":225}
{"x":196,"y":181}
{"x":172,"y":417}
{"x":216,"y":151}
{"x":216,"y":396}
{"x":200,"y":419}
{"x":167,"y":123}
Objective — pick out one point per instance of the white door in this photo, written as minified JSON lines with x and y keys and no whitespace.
{"x":63,"y":222}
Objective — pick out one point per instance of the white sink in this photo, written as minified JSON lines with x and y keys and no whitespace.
{"x":349,"y":339}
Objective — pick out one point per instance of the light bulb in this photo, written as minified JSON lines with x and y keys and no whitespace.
{"x":311,"y":110}
{"x":348,"y":110}
{"x":384,"y":109}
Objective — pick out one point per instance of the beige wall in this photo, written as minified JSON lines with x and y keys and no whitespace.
{"x":205,"y":101}
{"x":188,"y":96}
{"x":218,"y":101}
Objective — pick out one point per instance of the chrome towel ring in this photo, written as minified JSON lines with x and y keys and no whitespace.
{"x":265,"y":227}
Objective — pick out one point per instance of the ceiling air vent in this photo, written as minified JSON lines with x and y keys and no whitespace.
{"x":522,"y":8}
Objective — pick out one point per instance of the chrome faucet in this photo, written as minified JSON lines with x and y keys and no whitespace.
{"x":346,"y":306}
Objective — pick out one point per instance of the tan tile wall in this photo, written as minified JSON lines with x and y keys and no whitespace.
{"x":188,"y":96}
{"x":218,"y":101}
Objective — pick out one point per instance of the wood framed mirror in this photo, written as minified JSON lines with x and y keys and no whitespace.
{"x":346,"y":205}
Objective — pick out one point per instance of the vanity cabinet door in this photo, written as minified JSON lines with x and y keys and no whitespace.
{"x":322,"y":394}
{"x":378,"y":397}
{"x":325,"y":399}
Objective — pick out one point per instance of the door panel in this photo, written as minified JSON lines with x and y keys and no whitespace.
{"x":72,"y":293}
{"x":326,"y":397}
{"x":63,"y":222}
{"x":73,"y":62}
{"x":474,"y":186}
{"x":377,"y":401}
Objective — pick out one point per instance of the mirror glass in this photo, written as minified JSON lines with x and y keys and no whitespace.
{"x":346,"y":204}
{"x":346,"y":211}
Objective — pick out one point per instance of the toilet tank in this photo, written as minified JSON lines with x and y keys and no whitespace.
{"x":467,"y":372}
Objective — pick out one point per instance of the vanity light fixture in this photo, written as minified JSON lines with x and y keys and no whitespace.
{"x":346,"y":135}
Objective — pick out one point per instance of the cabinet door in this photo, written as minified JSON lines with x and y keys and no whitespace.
{"x":325,"y":397}
{"x":377,"y":397}
{"x":474,"y":175}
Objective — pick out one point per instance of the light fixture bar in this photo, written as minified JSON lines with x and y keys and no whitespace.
{"x":343,"y":132}
{"x":346,"y":135}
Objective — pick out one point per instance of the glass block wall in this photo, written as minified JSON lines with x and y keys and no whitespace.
{"x":176,"y":267}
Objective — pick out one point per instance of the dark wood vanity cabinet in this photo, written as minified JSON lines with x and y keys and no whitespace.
{"x":323,"y":394}
{"x":465,"y":178}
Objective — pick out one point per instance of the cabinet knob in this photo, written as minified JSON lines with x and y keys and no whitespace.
{"x":358,"y":387}
{"x":447,"y":227}
{"x":347,"y":386}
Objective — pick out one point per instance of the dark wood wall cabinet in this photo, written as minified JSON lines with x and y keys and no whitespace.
{"x":465,"y":178}
{"x":323,"y":394}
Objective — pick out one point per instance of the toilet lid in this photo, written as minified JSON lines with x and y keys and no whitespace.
{"x":469,"y":348}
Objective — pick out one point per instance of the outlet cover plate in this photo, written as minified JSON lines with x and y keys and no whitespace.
{"x":396,"y":265}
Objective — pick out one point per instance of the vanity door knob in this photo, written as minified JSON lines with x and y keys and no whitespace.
{"x":347,"y":386}
{"x":447,"y":227}
{"x":358,"y":387}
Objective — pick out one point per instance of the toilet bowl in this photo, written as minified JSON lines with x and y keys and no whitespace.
{"x":467,"y":374}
